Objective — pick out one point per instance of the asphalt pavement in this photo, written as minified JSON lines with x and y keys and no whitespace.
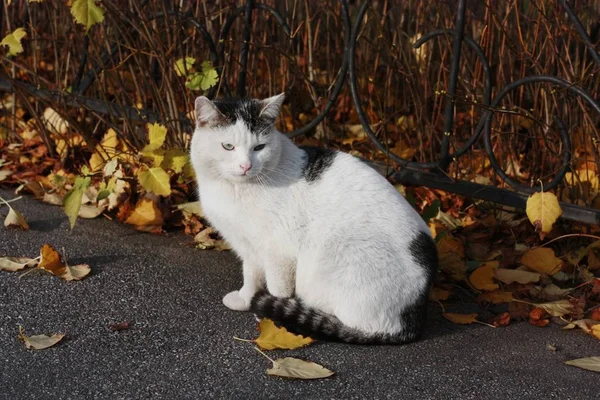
{"x":180,"y":344}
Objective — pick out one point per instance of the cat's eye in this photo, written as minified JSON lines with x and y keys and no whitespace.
{"x":228,"y":146}
{"x":259,"y":147}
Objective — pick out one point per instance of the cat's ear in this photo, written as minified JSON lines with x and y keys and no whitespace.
{"x":271,"y":106}
{"x":207,"y":112}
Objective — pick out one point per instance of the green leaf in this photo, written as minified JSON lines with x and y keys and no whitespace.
{"x":103,"y":194}
{"x":175,"y":159}
{"x":203,"y":80}
{"x":155,"y":180}
{"x":72,"y":200}
{"x":184,"y":65}
{"x":157,"y":134}
{"x":87,"y":13}
{"x":13,"y":41}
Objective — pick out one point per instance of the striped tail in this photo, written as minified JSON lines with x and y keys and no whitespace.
{"x":297,"y":318}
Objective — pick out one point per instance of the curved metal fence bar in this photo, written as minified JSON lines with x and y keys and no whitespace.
{"x":430,"y":173}
{"x":563,"y":130}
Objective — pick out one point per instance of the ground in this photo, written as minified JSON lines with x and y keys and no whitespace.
{"x":181,"y":345}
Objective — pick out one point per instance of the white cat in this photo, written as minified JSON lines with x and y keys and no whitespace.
{"x":341,"y":254}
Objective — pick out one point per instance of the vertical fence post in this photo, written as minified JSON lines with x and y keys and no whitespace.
{"x":241,"y":86}
{"x":459,"y":29}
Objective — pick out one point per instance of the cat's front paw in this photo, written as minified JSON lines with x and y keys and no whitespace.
{"x":235,"y":302}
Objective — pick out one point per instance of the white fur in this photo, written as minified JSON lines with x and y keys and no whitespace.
{"x":339,"y":243}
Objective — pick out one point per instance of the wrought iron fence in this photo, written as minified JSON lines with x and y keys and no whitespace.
{"x":435,"y":173}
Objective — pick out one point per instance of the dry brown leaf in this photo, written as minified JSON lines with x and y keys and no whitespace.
{"x":589,"y":363}
{"x":295,"y":368}
{"x":15,"y":219}
{"x":542,"y":260}
{"x":12,"y":264}
{"x":501,"y":319}
{"x":496,"y":297}
{"x":462,"y":319}
{"x":509,"y":276}
{"x":272,"y":337}
{"x":557,"y":308}
{"x":51,"y":262}
{"x":482,"y":278}
{"x":595,"y":314}
{"x":439,"y":294}
{"x":39,"y":342}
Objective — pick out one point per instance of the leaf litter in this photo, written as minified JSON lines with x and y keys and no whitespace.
{"x":39,"y":342}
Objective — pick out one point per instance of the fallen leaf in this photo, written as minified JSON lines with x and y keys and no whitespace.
{"x":595,"y":314}
{"x":509,"y":276}
{"x":73,"y":199}
{"x":596,"y":331}
{"x":157,"y":134}
{"x":272,"y":337}
{"x":39,"y":342}
{"x":295,"y":368}
{"x":88,"y":211}
{"x":557,"y":308}
{"x":583,"y":324}
{"x":501,"y":319}
{"x":51,"y":262}
{"x":543,"y":210}
{"x":155,"y":180}
{"x":120,"y":326}
{"x":146,"y":213}
{"x":52,"y":198}
{"x":191,"y":208}
{"x":462,"y":319}
{"x":550,"y":292}
{"x":15,"y":219}
{"x":542,"y":260}
{"x":482,"y":278}
{"x":13,"y":264}
{"x":439,"y":294}
{"x":495,"y":297}
{"x":589,"y":363}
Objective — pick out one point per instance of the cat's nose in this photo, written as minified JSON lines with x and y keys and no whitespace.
{"x":245,"y":167}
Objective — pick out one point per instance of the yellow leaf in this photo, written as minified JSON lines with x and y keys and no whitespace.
{"x":156,"y":156}
{"x":176,"y":159}
{"x":295,"y":368}
{"x":543,"y":210}
{"x":589,"y":363}
{"x":39,"y":342}
{"x":107,"y":149}
{"x":184,"y":65}
{"x":87,"y":13}
{"x":596,"y":331}
{"x":542,"y":260}
{"x":13,"y":41}
{"x":156,"y":137}
{"x":482,"y":278}
{"x":146,"y":213}
{"x":496,"y":297}
{"x":461,"y":319}
{"x":271,"y":337}
{"x":509,"y":276}
{"x":155,"y":180}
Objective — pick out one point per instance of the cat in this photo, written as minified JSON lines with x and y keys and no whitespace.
{"x":330,"y":249}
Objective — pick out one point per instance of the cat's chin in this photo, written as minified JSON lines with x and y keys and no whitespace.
{"x":242,"y":178}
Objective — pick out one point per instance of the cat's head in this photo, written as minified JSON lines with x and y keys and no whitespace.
{"x":236,"y":139}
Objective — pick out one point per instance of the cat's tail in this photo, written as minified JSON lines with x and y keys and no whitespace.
{"x":297,"y":318}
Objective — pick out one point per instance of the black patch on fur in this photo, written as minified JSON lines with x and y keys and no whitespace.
{"x":424,"y":252}
{"x":317,"y":161}
{"x":247,"y":110}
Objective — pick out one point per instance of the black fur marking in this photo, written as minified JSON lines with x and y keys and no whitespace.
{"x":424,"y":252}
{"x":317,"y":161}
{"x":248,"y":110}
